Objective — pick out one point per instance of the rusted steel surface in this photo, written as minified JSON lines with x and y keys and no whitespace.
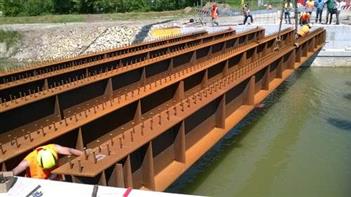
{"x":138,"y":94}
{"x":20,"y":103}
{"x":185,"y":106}
{"x":48,"y":66}
{"x":148,"y":129}
{"x":121,"y":68}
{"x":60,"y":74}
{"x":70,"y":118}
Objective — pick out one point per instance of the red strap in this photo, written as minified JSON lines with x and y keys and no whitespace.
{"x":127,"y":192}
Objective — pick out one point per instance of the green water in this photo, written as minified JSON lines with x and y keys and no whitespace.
{"x":298,"y":144}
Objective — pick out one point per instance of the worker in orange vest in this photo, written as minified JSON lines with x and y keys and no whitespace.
{"x":214,"y":14}
{"x":40,"y":162}
{"x":304,"y":18}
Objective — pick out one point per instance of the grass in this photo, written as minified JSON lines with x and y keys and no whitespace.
{"x":176,"y":14}
{"x":91,"y":17}
{"x":6,"y":63}
{"x":253,"y":3}
{"x":9,"y":37}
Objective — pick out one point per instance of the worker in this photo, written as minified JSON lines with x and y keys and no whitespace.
{"x":214,"y":14}
{"x":305,"y":18}
{"x":305,"y":29}
{"x":43,"y":160}
{"x":319,"y":4}
{"x":309,"y":6}
{"x":287,"y":9}
{"x":247,"y":13}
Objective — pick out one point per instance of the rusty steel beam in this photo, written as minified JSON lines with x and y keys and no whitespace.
{"x":33,"y":96}
{"x":41,"y":137}
{"x":39,"y":83}
{"x":149,"y":126}
{"x":169,"y":117}
{"x":21,"y":73}
{"x":71,"y":71}
{"x":52,"y":92}
{"x":255,"y":65}
{"x":190,"y":74}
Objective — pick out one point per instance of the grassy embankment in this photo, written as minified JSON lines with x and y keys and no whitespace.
{"x":92,"y":17}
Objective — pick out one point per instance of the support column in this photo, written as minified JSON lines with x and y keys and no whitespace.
{"x":102,"y":179}
{"x":236,"y":42}
{"x":266,"y":78}
{"x":264,"y":51}
{"x":148,"y":55}
{"x":292,"y":59}
{"x":180,"y":91}
{"x":226,"y":68}
{"x":79,"y":141}
{"x":305,"y":49}
{"x":280,"y":68}
{"x":109,"y":89}
{"x":210,"y":53}
{"x":254,"y":55}
{"x":179,"y":144}
{"x":137,"y":114}
{"x":312,"y":45}
{"x":298,"y":54}
{"x":316,"y":41}
{"x":58,"y":111}
{"x":116,"y":179}
{"x":205,"y":79}
{"x":3,"y":167}
{"x":224,"y":46}
{"x":148,"y":169}
{"x":243,"y":59}
{"x":46,"y":84}
{"x":250,"y":98}
{"x":87,"y":72}
{"x":127,"y":171}
{"x":143,"y":76}
{"x":171,"y":63}
{"x":193,"y":58}
{"x":220,"y":113}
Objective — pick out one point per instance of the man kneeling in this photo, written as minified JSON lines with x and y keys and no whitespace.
{"x":43,"y":160}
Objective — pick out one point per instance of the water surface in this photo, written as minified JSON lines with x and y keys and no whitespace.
{"x":298,"y":144}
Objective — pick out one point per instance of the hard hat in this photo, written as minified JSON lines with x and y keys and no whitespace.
{"x":46,"y":158}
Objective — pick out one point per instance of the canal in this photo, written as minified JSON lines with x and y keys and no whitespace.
{"x":297,"y":144}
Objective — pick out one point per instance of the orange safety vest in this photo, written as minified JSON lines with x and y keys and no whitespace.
{"x":214,"y":14}
{"x":305,"y":16}
{"x":35,"y":170}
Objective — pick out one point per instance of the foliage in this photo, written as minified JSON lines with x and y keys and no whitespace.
{"x":40,"y":7}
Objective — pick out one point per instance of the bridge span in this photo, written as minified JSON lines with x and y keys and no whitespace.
{"x":148,"y":111}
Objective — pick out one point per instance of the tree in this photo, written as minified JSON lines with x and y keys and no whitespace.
{"x":12,"y":7}
{"x":38,"y":7}
{"x":64,"y":6}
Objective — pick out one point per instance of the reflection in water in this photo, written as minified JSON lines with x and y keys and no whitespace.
{"x":341,"y":124}
{"x":347,"y":96}
{"x":286,"y":147}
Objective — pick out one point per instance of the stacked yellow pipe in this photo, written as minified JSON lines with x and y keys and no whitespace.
{"x":165,"y":32}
